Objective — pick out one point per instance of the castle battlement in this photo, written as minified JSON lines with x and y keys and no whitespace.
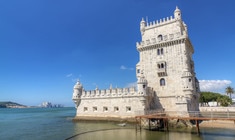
{"x":106,"y":93}
{"x":166,"y":30}
{"x":160,"y":22}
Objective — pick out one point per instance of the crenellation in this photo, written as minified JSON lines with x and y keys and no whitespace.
{"x":93,"y":92}
{"x":160,"y":22}
{"x":119,"y":90}
{"x":107,"y":93}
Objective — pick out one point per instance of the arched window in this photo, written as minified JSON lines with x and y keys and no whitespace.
{"x":159,"y":37}
{"x":159,"y":66}
{"x":158,"y":52}
{"x":189,"y":79}
{"x":162,"y":82}
{"x":161,"y":50}
{"x":162,"y":65}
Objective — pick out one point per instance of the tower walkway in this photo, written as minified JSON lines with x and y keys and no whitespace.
{"x":160,"y":120}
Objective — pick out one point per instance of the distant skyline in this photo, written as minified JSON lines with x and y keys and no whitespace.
{"x":47,"y":45}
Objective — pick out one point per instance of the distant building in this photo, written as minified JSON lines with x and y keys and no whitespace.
{"x":233,"y":101}
{"x":46,"y":104}
{"x":165,"y":73}
{"x":50,"y":105}
{"x":213,"y":104}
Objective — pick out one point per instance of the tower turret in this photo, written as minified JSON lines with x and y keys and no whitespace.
{"x":77,"y":92}
{"x":142,"y":26}
{"x":177,"y":13}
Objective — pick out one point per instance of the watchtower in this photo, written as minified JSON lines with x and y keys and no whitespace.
{"x":165,"y":60}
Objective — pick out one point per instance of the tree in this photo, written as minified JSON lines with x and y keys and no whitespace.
{"x":229,"y":90}
{"x":224,"y":100}
{"x":210,"y":97}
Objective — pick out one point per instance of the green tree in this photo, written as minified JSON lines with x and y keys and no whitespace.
{"x":210,"y":96}
{"x":229,"y":91}
{"x":224,"y":100}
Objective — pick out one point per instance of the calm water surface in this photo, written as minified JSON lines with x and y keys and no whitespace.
{"x":57,"y":124}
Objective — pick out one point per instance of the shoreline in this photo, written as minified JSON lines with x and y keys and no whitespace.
{"x":217,"y":124}
{"x":204,"y":124}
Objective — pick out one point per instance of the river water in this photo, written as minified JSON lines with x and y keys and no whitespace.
{"x":57,"y":124}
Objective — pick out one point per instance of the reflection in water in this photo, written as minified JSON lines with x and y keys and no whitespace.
{"x":132,"y":134}
{"x":112,"y":131}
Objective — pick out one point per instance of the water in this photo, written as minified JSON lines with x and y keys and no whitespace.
{"x":57,"y":124}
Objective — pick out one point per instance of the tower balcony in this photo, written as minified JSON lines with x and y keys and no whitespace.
{"x":161,"y":72}
{"x":161,"y":68}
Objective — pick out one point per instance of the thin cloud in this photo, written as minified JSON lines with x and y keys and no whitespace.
{"x":74,"y":78}
{"x":125,"y":68}
{"x":69,"y":75}
{"x":214,"y":85}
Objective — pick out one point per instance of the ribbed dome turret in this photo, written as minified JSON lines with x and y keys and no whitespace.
{"x":177,"y":13}
{"x":78,"y":85}
{"x":142,"y":26}
{"x":177,"y":9}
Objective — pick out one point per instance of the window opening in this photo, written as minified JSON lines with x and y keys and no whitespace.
{"x":162,"y":82}
{"x":128,"y":109}
{"x":85,"y":109}
{"x":159,"y":37}
{"x":116,"y":109}
{"x":95,"y":109}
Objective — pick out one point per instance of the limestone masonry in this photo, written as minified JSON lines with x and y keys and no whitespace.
{"x":165,"y":73}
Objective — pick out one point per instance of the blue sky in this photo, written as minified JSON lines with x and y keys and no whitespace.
{"x":46,"y":45}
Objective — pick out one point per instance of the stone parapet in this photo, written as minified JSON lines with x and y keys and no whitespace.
{"x":110,"y":93}
{"x":160,"y":22}
{"x":167,"y":42}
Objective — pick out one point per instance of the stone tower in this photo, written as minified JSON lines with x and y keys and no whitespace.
{"x":165,"y":53}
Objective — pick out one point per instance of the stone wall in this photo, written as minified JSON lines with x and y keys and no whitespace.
{"x":111,"y":107}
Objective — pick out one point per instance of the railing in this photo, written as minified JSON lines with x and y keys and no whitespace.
{"x":198,"y":114}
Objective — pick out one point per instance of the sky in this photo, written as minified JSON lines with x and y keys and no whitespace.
{"x":47,"y":45}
